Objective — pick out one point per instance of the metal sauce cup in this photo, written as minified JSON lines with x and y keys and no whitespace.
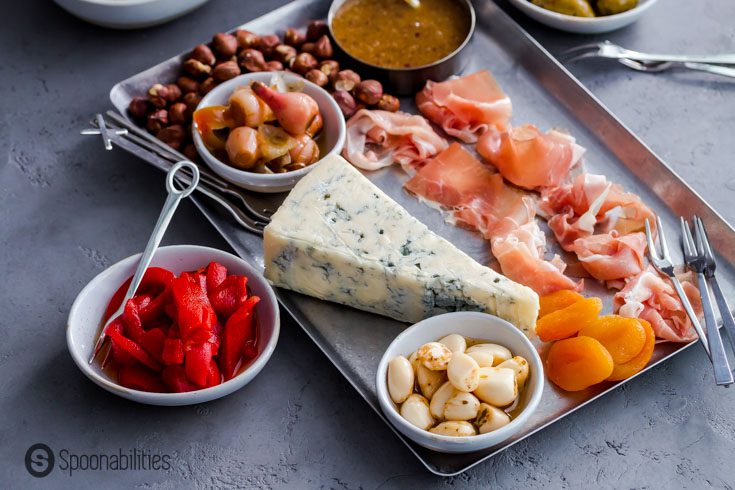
{"x":407,"y":81}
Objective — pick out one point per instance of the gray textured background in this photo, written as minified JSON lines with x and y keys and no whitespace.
{"x":68,"y":209}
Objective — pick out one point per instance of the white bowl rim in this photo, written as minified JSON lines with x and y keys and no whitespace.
{"x":454,"y":441}
{"x":212,"y":392}
{"x":263,"y":180}
{"x":119,"y":3}
{"x":638,"y":9}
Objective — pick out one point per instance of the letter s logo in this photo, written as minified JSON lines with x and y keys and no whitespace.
{"x":39,"y":460}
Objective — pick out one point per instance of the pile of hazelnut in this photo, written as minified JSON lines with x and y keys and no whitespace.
{"x":167,"y":109}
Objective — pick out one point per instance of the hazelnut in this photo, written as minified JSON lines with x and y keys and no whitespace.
{"x":225,"y":71}
{"x":192,"y":100}
{"x":369,"y":91}
{"x":173,"y":92}
{"x":268,"y":43}
{"x":157,"y":120}
{"x":316,"y":29}
{"x":346,"y":102}
{"x":274,"y":66}
{"x":138,"y":108}
{"x":323,"y":48}
{"x":303,"y":63}
{"x":203,"y":54}
{"x":284,"y":53}
{"x":346,"y":80}
{"x":225,"y":45}
{"x":308,"y":48}
{"x":187,"y":84}
{"x":246,"y":39}
{"x":190,"y":152}
{"x":179,"y":113}
{"x":157,"y":96}
{"x":173,"y":136}
{"x":252,"y":60}
{"x":197,"y":69}
{"x":389,"y":103}
{"x":294,"y":37}
{"x":317,"y":77}
{"x":207,"y":85}
{"x":330,"y":68}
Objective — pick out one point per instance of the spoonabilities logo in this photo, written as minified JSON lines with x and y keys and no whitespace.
{"x":39,"y":460}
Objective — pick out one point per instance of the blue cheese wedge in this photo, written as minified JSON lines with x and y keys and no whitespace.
{"x":338,"y":237}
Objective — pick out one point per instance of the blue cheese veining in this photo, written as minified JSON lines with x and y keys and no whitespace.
{"x":338,"y":237}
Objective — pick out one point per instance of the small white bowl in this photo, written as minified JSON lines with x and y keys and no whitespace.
{"x":129,"y":14}
{"x":86,"y":313}
{"x":334,"y":132}
{"x":583,"y":25}
{"x":479,"y":326}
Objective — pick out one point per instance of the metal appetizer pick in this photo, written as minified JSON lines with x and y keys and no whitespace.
{"x":175,"y":195}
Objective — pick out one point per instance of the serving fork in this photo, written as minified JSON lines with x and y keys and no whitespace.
{"x":115,"y":128}
{"x":606,"y":49}
{"x":700,"y":260}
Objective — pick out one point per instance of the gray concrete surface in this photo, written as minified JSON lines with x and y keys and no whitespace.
{"x":68,"y":209}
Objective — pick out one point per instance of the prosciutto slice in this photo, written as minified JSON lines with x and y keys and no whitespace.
{"x":377,"y":139}
{"x":609,"y":256}
{"x":529,"y":158}
{"x":589,"y":205}
{"x":478,"y":199}
{"x":652,"y":297}
{"x":466,"y":107}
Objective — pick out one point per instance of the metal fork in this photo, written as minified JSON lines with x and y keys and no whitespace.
{"x":660,"y":66}
{"x":607,"y":49}
{"x":663,"y":264}
{"x":725,"y":312}
{"x":694,"y":257}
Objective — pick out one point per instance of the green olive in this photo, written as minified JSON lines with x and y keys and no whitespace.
{"x":577,"y":8}
{"x":610,"y":7}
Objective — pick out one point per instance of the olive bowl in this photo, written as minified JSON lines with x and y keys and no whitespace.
{"x":583,"y":25}
{"x":333,"y":133}
{"x":407,"y":81}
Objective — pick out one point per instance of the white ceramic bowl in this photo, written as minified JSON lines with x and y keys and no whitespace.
{"x":480,"y":326}
{"x":583,"y":25}
{"x":129,"y":14}
{"x":334,"y":132}
{"x":86,"y":312}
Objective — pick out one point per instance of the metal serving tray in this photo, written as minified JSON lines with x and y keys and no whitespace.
{"x":544,"y":93}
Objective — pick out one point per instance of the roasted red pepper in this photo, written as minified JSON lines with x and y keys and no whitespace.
{"x":238,"y":329}
{"x":213,"y":376}
{"x":155,"y":281}
{"x":197,"y":363}
{"x":173,"y":352}
{"x":195,"y":315}
{"x":175,"y":378}
{"x":152,"y":341}
{"x":131,"y":320}
{"x":137,"y":377}
{"x":134,"y":349}
{"x":229,"y":296}
{"x":216,"y":273}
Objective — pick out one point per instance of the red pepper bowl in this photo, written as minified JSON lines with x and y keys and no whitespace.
{"x":86,"y":315}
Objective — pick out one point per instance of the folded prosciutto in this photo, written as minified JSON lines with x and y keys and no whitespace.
{"x":466,"y":107}
{"x":529,"y":158}
{"x":609,"y":256}
{"x":377,"y":139}
{"x":589,"y":205}
{"x":479,"y":199}
{"x":652,"y":297}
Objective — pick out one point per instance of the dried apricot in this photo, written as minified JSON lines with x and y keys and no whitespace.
{"x":577,"y":363}
{"x":557,"y":300}
{"x":566,"y":322}
{"x":622,"y":337}
{"x":624,"y":371}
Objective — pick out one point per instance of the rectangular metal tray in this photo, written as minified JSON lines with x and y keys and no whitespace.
{"x":543,"y":93}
